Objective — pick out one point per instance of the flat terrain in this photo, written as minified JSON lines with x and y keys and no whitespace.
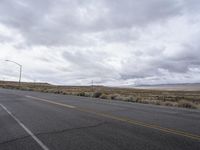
{"x":160,"y":96}
{"x":34,"y":121}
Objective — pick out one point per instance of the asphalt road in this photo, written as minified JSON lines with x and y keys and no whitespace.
{"x":41,"y":121}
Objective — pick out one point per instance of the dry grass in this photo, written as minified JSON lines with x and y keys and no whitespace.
{"x":187,"y":104}
{"x":186,"y":99}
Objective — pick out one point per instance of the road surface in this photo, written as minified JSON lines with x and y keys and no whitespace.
{"x":43,"y":121}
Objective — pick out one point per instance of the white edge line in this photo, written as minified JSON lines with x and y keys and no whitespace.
{"x":41,"y":99}
{"x":42,"y":145}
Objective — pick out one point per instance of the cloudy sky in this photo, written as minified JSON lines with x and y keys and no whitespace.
{"x":113,"y":42}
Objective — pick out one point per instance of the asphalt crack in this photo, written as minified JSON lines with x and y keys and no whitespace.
{"x":53,"y":132}
{"x":14,"y":140}
{"x":72,"y":129}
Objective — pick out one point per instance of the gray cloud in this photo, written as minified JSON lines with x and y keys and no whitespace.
{"x":64,"y":22}
{"x":109,"y":41}
{"x":181,"y":61}
{"x":4,"y":39}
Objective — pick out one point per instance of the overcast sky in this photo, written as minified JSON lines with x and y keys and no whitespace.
{"x":113,"y":42}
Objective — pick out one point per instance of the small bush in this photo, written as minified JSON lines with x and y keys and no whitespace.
{"x":125,"y":98}
{"x":97,"y":94}
{"x":81,"y":94}
{"x":117,"y":97}
{"x":104,"y":96}
{"x":186,"y":104}
{"x":157,"y":103}
{"x":87,"y":94}
{"x":167,"y":103}
{"x":132,"y":99}
{"x":113,"y":96}
{"x":58,"y":92}
{"x":143,"y":101}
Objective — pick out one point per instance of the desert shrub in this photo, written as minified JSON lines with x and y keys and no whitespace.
{"x":126,"y":98}
{"x":97,"y":94}
{"x":81,"y":94}
{"x":143,"y":101}
{"x":113,"y":96}
{"x":58,"y":92}
{"x":156,"y":102}
{"x":44,"y":90}
{"x":146,"y":101}
{"x":104,"y":96}
{"x":75,"y":93}
{"x":186,"y":104}
{"x":132,"y":99}
{"x":167,"y":103}
{"x":87,"y":94}
{"x":116,"y":97}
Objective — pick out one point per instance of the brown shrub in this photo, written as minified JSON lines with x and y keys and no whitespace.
{"x":167,"y":103}
{"x":81,"y":94}
{"x":97,"y":94}
{"x":87,"y":94}
{"x":186,"y":104}
{"x":114,"y":96}
{"x":104,"y":96}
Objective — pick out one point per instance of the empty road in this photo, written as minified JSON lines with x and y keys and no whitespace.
{"x":43,"y":121}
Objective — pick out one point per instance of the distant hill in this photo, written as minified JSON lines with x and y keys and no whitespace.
{"x":24,"y":83}
{"x":182,"y":86}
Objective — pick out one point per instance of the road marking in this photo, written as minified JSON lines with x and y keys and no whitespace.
{"x":123,"y":119}
{"x":42,"y":145}
{"x":45,"y":100}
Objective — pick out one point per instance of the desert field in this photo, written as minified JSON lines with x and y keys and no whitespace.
{"x":186,"y":97}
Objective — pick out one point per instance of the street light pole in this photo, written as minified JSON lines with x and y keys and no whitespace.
{"x":20,"y":70}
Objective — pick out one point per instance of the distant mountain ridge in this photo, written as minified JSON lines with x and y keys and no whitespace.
{"x":170,"y":84}
{"x":15,"y":82}
{"x":177,"y":86}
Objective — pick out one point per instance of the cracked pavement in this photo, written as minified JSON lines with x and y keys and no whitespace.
{"x":53,"y":132}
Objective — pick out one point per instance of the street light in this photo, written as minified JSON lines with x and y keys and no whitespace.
{"x":20,"y":67}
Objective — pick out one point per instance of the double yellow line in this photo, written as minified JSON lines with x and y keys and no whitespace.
{"x":123,"y":119}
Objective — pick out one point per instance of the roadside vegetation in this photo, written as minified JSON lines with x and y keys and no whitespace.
{"x":186,"y":99}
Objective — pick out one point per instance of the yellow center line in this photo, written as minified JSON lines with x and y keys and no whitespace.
{"x":123,"y":119}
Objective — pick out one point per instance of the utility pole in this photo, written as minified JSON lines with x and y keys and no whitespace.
{"x":92,"y":88}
